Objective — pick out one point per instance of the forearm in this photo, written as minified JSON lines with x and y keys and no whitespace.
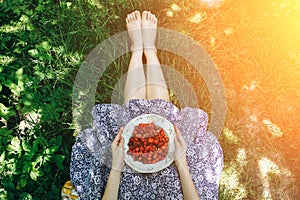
{"x":187,"y":184}
{"x":112,"y":186}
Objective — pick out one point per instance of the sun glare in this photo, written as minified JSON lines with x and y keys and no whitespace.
{"x":5,"y":60}
{"x":228,"y":31}
{"x":198,"y":17}
{"x":252,"y":86}
{"x":170,"y":13}
{"x":241,"y":157}
{"x":175,"y":7}
{"x":267,"y":167}
{"x":273,"y":128}
{"x":230,"y":181}
{"x":229,"y":135}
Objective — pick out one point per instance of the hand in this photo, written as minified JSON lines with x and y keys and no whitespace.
{"x":180,"y":149}
{"x":117,"y":148}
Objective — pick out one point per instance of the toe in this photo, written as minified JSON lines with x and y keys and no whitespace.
{"x":153,"y":18}
{"x":128,"y":18}
{"x":132,"y":17}
{"x":144,"y":14}
{"x":137,"y":14}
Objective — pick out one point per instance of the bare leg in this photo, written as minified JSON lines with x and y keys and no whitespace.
{"x":135,"y":80}
{"x":156,"y":86}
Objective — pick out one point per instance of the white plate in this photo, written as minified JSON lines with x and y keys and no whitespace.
{"x":169,"y":131}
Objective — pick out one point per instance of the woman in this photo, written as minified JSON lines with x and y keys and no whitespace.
{"x":97,"y":174}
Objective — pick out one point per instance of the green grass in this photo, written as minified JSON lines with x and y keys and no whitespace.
{"x":254,"y":44}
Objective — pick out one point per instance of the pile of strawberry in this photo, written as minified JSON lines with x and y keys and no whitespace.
{"x":148,"y":144}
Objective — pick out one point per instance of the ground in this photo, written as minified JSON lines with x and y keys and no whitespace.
{"x":254,"y":44}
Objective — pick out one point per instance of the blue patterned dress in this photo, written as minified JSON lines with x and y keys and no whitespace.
{"x":91,"y":154}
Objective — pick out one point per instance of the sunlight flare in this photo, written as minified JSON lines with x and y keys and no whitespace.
{"x":175,"y":7}
{"x":252,"y":86}
{"x":230,"y":181}
{"x":241,"y":157}
{"x":170,"y":13}
{"x":229,"y":135}
{"x":228,"y":31}
{"x":212,"y":3}
{"x":273,"y":128}
{"x":198,"y":17}
{"x":267,"y":167}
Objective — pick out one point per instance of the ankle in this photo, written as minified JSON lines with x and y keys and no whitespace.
{"x":150,"y":51}
{"x":137,"y":50}
{"x":137,"y":54}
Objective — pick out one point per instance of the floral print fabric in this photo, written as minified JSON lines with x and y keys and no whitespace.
{"x":91,"y":154}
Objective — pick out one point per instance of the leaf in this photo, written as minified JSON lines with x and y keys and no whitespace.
{"x":3,"y":193}
{"x":38,"y":161}
{"x":28,"y":156}
{"x":58,"y":160}
{"x":2,"y":164}
{"x":14,"y":88}
{"x":8,"y":185}
{"x":19,"y":74}
{"x":57,"y":140}
{"x":26,"y":146}
{"x":2,"y":158}
{"x":22,"y":181}
{"x":34,"y":174}
{"x":38,"y":141}
{"x":46,"y":158}
{"x":45,"y":46}
{"x":6,"y":112}
{"x":26,"y":196}
{"x":55,"y":189}
{"x":15,"y":147}
{"x":6,"y":133}
{"x":11,"y":166}
{"x":33,"y":52}
{"x":51,"y":150}
{"x":26,"y":168}
{"x":15,"y":141}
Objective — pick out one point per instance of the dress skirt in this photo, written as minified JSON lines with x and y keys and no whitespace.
{"x":91,"y":154}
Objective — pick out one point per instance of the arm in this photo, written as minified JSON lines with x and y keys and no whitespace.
{"x":188,"y":187}
{"x":113,"y":183}
{"x":112,"y":186}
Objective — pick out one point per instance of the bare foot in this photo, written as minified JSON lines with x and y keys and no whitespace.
{"x":149,"y":27}
{"x":133,"y":23}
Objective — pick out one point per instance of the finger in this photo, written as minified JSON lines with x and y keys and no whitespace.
{"x":176,"y":129}
{"x":177,"y":143}
{"x":178,"y":135}
{"x":175,"y":140}
{"x":120,"y":131}
{"x":118,"y":136}
{"x":121,"y":143}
